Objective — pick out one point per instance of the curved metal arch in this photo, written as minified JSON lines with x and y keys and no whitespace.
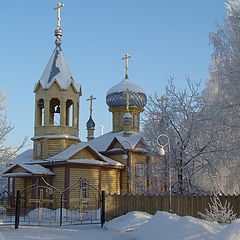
{"x":78,"y":181}
{"x":35,"y":185}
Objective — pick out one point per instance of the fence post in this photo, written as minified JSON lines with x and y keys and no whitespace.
{"x":17,"y":208}
{"x":61,"y":203}
{"x":103,"y":208}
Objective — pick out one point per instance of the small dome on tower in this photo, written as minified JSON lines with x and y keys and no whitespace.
{"x":90,"y":123}
{"x":127,"y":118}
{"x":116,"y":96}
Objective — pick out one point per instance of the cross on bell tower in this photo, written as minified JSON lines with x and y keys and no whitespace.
{"x":56,"y":103}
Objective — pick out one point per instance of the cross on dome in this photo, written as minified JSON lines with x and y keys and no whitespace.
{"x":126,"y":57}
{"x":91,"y":106}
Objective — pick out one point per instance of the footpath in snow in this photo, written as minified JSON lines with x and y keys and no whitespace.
{"x":132,"y":226}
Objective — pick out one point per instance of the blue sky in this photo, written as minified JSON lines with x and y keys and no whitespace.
{"x":164,"y":38}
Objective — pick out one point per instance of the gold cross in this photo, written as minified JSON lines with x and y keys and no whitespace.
{"x":91,"y":100}
{"x":126,"y":57}
{"x":127,"y":92}
{"x":40,"y":202}
{"x":58,"y":8}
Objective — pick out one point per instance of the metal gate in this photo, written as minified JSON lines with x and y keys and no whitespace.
{"x":39,"y":204}
{"x":7,"y":208}
{"x":44,"y":204}
{"x":81,"y":203}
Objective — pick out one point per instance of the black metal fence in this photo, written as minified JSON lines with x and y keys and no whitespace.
{"x":44,"y":204}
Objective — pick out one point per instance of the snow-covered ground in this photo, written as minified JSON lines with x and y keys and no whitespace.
{"x":132,"y":226}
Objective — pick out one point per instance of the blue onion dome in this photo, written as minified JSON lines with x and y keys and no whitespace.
{"x":90,"y":123}
{"x":116,"y":96}
{"x":127,"y":118}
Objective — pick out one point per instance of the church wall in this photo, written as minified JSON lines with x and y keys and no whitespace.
{"x":58,"y":180}
{"x":136,"y":178}
{"x":110,"y":181}
{"x":92,"y":176}
{"x":19,"y":184}
{"x":50,"y":147}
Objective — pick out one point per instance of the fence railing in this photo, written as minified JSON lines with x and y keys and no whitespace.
{"x":117,"y":205}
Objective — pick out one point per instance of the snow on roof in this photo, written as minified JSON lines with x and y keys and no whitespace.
{"x":72,"y":150}
{"x":24,"y":156}
{"x":56,"y":136}
{"x":32,"y":169}
{"x":57,"y":70}
{"x":87,"y":161}
{"x":129,"y":141}
{"x":123,"y":85}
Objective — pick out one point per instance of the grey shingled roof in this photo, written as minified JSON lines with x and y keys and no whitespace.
{"x":57,"y":70}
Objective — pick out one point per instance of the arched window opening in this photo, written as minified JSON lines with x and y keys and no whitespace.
{"x":40,"y":112}
{"x":69,"y":113}
{"x":54,"y":112}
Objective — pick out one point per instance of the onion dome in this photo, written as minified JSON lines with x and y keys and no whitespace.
{"x":90,"y":123}
{"x":127,"y":118}
{"x":116,"y":96}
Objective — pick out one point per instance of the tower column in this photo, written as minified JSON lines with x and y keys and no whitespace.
{"x":63,"y":112}
{"x":47,"y":112}
{"x":75,"y":114}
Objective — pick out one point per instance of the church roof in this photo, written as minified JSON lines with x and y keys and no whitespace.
{"x":116,"y":96}
{"x":29,"y":170}
{"x":57,"y":70}
{"x":129,"y":141}
{"x":123,"y":85}
{"x":73,"y":149}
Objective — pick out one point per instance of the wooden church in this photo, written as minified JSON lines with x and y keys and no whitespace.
{"x":115,"y":162}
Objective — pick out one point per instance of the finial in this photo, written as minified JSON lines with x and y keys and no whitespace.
{"x":91,"y":101}
{"x":127,"y":92}
{"x":58,"y":31}
{"x":126,"y":57}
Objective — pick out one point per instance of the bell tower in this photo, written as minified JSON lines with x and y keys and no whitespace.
{"x":56,"y":104}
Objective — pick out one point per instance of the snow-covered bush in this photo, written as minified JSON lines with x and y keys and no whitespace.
{"x":218,"y":212}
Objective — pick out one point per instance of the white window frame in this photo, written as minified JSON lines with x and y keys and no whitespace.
{"x":84,"y":191}
{"x":140,"y":169}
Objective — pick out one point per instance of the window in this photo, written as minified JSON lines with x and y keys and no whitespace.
{"x":139,"y":188}
{"x":84,"y":191}
{"x":140,"y":170}
{"x":38,"y":149}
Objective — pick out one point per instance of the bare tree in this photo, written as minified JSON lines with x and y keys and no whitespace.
{"x":7,"y":153}
{"x":181,"y":115}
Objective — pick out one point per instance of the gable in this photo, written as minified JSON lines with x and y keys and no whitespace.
{"x":17,"y":169}
{"x":86,"y":153}
{"x":54,"y":87}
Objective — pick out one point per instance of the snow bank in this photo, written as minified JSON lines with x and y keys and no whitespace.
{"x":172,"y":227}
{"x":128,"y":222}
{"x":166,"y":226}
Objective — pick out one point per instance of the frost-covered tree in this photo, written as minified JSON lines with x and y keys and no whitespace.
{"x":218,"y":212}
{"x":180,"y":115}
{"x":222,"y":99}
{"x":7,"y":153}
